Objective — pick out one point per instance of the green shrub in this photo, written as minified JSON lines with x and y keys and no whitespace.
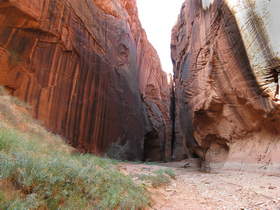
{"x":55,"y":180}
{"x":30,"y":202}
{"x":158,"y":178}
{"x":8,"y":139}
{"x":168,"y":172}
{"x":2,"y":197}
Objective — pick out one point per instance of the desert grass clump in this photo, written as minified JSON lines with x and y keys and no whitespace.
{"x":158,"y":178}
{"x":48,"y":179}
{"x":42,"y":172}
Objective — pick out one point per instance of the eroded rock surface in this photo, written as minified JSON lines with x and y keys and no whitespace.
{"x":226,"y":81}
{"x":89,"y":73}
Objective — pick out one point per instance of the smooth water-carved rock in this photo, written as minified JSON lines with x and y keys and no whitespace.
{"x":226,"y":60}
{"x":259,"y":27}
{"x":80,"y":65}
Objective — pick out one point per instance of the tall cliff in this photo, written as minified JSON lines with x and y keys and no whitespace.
{"x":89,"y":73}
{"x":226,"y":66}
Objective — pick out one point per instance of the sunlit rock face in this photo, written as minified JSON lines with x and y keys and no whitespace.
{"x":258,"y":22}
{"x":226,"y":59}
{"x":206,"y":3}
{"x":89,"y":73}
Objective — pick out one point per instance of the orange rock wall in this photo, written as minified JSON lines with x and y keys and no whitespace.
{"x":80,"y":65}
{"x":221,"y":113}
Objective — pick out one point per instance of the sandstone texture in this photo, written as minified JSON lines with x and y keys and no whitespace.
{"x":226,"y":60}
{"x":89,"y":73}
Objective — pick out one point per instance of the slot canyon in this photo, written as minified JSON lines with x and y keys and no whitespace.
{"x":90,"y":75}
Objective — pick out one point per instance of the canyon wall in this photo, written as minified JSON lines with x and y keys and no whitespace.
{"x":89,"y":73}
{"x":226,"y":66}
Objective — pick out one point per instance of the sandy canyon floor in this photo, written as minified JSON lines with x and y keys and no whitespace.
{"x":195,"y":190}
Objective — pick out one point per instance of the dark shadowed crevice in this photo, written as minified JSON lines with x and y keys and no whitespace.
{"x":173,"y":117}
{"x":150,"y":146}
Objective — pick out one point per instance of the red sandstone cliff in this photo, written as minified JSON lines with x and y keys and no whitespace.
{"x":89,"y":73}
{"x":222,"y":112}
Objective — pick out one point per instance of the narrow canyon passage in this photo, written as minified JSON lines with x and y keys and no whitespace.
{"x":89,"y":74}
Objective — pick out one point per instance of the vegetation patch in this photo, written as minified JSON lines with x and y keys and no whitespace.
{"x":43,"y":172}
{"x":158,"y":178}
{"x":51,"y":179}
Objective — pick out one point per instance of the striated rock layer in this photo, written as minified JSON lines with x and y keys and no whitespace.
{"x":226,"y":61}
{"x":89,"y":73}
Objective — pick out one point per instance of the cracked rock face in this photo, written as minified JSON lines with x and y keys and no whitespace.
{"x":89,"y":73}
{"x":226,"y":61}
